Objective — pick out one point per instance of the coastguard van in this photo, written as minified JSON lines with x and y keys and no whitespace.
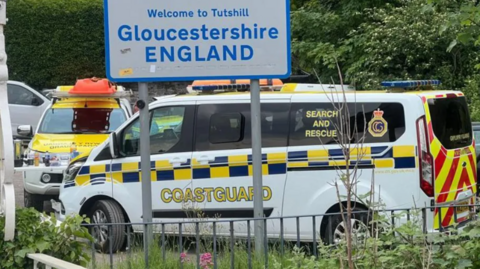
{"x":79,"y":118}
{"x":413,"y":146}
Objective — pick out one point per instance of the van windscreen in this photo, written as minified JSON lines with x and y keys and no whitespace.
{"x":81,"y":120}
{"x":451,"y":121}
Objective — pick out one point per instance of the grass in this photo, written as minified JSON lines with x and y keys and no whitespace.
{"x":136,"y":257}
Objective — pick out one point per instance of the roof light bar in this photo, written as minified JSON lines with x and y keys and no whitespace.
{"x":305,"y":87}
{"x":121,"y":94}
{"x":233,"y":85}
{"x":410,"y":83}
{"x":92,"y":88}
{"x":221,"y":87}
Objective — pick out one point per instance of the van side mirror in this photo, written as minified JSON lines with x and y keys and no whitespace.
{"x":25,"y":130}
{"x":113,"y":144}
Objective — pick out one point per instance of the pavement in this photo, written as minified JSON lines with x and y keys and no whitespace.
{"x":18,"y":185}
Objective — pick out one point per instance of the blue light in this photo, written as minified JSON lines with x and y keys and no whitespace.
{"x":410,"y":83}
{"x":222,"y":87}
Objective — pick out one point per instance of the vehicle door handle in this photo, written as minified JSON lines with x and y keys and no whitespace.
{"x":178,"y":160}
{"x":203,"y":160}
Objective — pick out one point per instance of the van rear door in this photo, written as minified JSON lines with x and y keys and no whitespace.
{"x":452,"y":148}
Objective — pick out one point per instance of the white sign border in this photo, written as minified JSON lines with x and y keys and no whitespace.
{"x":165,"y":79}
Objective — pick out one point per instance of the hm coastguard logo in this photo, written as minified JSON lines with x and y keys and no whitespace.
{"x":377,"y":127}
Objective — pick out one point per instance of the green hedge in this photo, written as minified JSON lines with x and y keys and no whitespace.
{"x":54,"y":42}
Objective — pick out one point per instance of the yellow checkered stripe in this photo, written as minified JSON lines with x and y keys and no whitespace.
{"x":397,"y":157}
{"x":131,"y":173}
{"x":239,"y":165}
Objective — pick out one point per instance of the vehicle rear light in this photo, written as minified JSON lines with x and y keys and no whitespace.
{"x":425,"y":158}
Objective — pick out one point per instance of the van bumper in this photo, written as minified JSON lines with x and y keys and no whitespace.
{"x":58,"y":209}
{"x":43,"y":180}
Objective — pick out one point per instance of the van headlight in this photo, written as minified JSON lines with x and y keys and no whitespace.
{"x":72,"y":170}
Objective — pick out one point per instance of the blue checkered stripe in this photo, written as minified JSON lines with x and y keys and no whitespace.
{"x":241,"y":165}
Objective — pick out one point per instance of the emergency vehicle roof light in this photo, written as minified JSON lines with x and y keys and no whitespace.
{"x":305,"y":87}
{"x":234,"y":85}
{"x":93,"y":88}
{"x":410,"y":83}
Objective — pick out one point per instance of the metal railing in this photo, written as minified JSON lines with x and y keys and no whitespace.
{"x":282,"y":234}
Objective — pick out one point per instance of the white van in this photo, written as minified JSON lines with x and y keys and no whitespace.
{"x":417,"y":146}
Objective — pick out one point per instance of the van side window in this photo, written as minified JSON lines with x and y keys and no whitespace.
{"x":228,"y":126}
{"x":18,"y":95}
{"x":170,"y":132}
{"x":451,"y":121}
{"x":319,"y":123}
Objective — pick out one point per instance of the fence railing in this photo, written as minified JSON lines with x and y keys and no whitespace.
{"x":222,"y":239}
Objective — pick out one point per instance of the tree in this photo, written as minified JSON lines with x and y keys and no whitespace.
{"x":409,"y":42}
{"x":404,"y":39}
{"x":466,"y":17}
{"x":320,"y":29}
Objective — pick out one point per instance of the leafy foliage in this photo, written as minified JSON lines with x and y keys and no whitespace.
{"x":467,"y":15}
{"x":472,"y":93}
{"x":51,"y":43}
{"x":404,"y":39}
{"x":408,"y":42}
{"x":374,"y":41}
{"x":34,"y":236}
{"x":402,"y":247}
{"x":320,"y":29}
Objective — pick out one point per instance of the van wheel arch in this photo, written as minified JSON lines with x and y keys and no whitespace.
{"x":87,"y":206}
{"x":336,"y":209}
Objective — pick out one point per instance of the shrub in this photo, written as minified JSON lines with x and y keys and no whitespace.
{"x":34,"y":236}
{"x":51,"y":43}
{"x":404,"y":246}
{"x":473,"y":96}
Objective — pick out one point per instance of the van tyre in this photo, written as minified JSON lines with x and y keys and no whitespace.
{"x":103,"y":212}
{"x":32,"y":200}
{"x":335,"y":227}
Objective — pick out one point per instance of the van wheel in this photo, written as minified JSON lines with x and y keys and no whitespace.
{"x":106,"y":212}
{"x":336,"y":228}
{"x":32,"y":200}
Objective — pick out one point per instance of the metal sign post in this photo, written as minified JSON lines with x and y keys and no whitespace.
{"x":145,"y":165}
{"x":257,"y":164}
{"x":7,"y":192}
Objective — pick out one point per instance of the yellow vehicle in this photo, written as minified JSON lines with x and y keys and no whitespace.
{"x":79,"y":118}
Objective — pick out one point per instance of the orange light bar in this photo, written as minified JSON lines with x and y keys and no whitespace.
{"x":93,"y":86}
{"x":263,"y":82}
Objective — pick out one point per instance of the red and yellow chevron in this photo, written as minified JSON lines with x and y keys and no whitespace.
{"x":455,"y":172}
